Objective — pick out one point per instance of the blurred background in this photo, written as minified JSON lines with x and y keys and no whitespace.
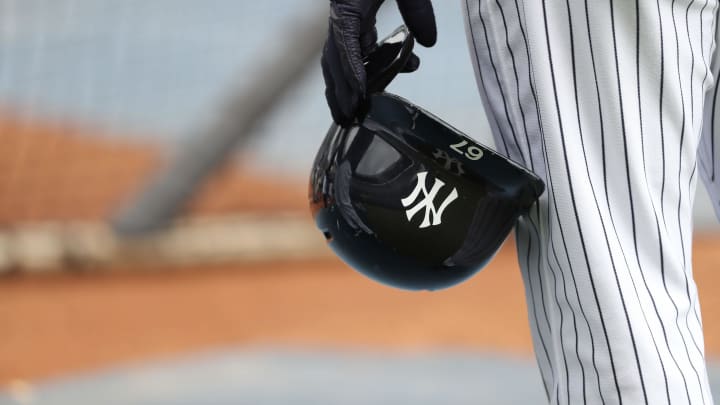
{"x":155,"y":241}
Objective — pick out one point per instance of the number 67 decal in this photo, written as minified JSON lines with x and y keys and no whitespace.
{"x":471,"y":152}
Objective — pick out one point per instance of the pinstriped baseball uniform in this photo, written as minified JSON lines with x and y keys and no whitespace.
{"x":613,"y":103}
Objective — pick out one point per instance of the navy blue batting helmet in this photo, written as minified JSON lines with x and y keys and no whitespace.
{"x":409,"y":201}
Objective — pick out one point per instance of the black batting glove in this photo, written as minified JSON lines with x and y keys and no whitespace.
{"x":351,"y":37}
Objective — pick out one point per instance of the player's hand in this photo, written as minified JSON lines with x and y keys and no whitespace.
{"x":351,"y":37}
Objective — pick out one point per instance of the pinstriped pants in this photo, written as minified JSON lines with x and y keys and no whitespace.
{"x":613,"y":103}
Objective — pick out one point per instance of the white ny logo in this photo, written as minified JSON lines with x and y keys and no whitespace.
{"x":427,"y":201}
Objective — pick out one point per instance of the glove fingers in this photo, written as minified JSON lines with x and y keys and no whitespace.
{"x":330,"y":97}
{"x":368,"y":41}
{"x":412,"y":64}
{"x":420,"y":19}
{"x":345,"y":35}
{"x":342,"y":98}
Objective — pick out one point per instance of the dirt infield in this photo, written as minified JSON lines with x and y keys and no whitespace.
{"x":53,"y":325}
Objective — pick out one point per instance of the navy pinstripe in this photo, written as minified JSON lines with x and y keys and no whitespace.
{"x":613,"y":103}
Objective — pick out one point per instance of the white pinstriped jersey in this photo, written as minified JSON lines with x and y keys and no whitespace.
{"x":613,"y":103}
